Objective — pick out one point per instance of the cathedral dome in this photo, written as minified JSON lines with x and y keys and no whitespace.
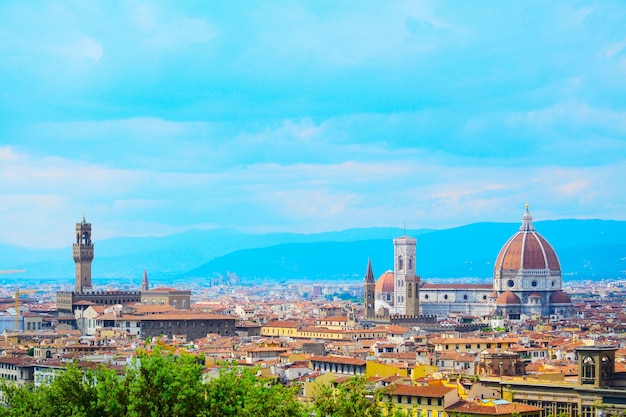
{"x":507,"y":298}
{"x":385,"y":283}
{"x":560,"y":297}
{"x":527,"y":249}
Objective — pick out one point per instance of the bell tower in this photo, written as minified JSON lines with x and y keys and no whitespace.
{"x":404,"y":274}
{"x":83,"y":256}
{"x":369,"y":292}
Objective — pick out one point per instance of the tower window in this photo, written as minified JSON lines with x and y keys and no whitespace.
{"x":410,"y":263}
{"x":400,"y":263}
{"x":588,"y":370}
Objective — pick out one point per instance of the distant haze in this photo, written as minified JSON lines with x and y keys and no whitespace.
{"x":587,"y":249}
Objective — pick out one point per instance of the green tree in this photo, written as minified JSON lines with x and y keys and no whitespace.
{"x":165,"y":385}
{"x":350,"y":399}
{"x":72,"y":393}
{"x":156,"y":384}
{"x":238,"y":392}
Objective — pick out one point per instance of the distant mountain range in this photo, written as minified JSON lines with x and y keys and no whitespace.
{"x":587,"y":249}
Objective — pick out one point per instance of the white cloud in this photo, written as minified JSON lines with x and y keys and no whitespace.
{"x":86,"y":49}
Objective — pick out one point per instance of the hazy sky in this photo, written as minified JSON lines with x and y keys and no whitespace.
{"x":156,"y":117}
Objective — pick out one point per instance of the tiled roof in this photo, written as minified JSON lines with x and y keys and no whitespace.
{"x":185,"y":315}
{"x":338,"y":359}
{"x":385,"y":283}
{"x":474,"y":408}
{"x":287,"y":324}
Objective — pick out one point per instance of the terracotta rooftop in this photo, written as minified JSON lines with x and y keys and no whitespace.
{"x":287,"y":324}
{"x":527,"y":249}
{"x":338,"y":359}
{"x":498,"y":408}
{"x":385,"y":283}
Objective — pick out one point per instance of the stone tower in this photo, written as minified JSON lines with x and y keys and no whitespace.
{"x":596,"y":365}
{"x":144,"y":281}
{"x":404,"y":274}
{"x":370,"y":284}
{"x":83,"y":256}
{"x":412,"y":295}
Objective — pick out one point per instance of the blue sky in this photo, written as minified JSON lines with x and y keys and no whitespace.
{"x":156,"y":117}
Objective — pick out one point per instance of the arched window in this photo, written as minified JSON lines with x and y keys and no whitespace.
{"x":400,"y":263}
{"x":410,"y":292}
{"x":606,"y":368}
{"x":175,"y":304}
{"x":410,"y":264}
{"x":588,"y":370}
{"x":184,"y":304}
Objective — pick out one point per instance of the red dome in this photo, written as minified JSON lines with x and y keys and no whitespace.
{"x":507,"y":298}
{"x":527,"y":249}
{"x":534,"y":295}
{"x":560,"y":297}
{"x":385,"y":283}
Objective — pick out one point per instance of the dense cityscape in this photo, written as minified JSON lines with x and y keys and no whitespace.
{"x":529,"y":344}
{"x":312,"y":209}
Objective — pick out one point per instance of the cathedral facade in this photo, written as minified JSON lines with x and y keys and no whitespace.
{"x":527,"y":283}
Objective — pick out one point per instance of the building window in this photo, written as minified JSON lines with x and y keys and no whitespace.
{"x":400,"y":263}
{"x":175,"y":304}
{"x":510,"y":283}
